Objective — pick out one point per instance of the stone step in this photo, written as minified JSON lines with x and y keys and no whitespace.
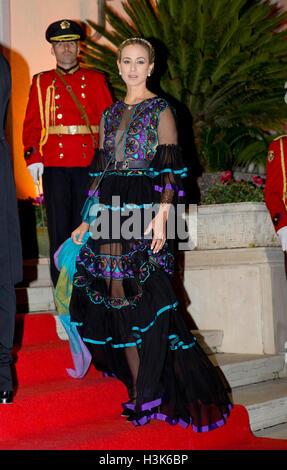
{"x":35,"y":293}
{"x":273,"y":432}
{"x":35,"y":299}
{"x":266,"y":403}
{"x":245,"y":369}
{"x":259,"y":383}
{"x":209,"y":340}
{"x":36,"y":272}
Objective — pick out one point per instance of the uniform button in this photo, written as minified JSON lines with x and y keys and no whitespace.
{"x":58,"y":106}
{"x":84,"y":145}
{"x":83,"y":86}
{"x":83,"y":95}
{"x":83,"y":77}
{"x":59,"y":116}
{"x":84,"y":155}
{"x":60,"y":144}
{"x":57,"y":97}
{"x":61,"y":155}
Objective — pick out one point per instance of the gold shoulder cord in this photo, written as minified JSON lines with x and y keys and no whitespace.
{"x":280,"y":136}
{"x":41,"y":110}
{"x":283,"y":173}
{"x":45,"y":128}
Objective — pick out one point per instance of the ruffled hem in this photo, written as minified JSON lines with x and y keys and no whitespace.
{"x":136,"y":332}
{"x":199,"y":429}
{"x":145,"y":406}
{"x":146,"y":418}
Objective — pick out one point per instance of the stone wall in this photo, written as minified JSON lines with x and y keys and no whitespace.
{"x":242,"y":292}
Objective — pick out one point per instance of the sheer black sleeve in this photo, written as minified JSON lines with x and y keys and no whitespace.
{"x":96,"y":169}
{"x":98,"y":163}
{"x":167,"y":165}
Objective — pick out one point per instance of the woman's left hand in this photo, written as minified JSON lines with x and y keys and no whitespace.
{"x":158,"y":226}
{"x":79,"y":232}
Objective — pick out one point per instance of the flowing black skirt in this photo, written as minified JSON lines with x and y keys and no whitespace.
{"x":126,"y":311}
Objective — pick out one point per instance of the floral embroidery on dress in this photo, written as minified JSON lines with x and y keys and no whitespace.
{"x":138,"y":263}
{"x":141,"y":136}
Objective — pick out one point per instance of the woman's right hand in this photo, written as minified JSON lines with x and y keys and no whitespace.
{"x":78,"y":233}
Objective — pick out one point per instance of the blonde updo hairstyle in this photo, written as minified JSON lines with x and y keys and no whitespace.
{"x":141,"y":42}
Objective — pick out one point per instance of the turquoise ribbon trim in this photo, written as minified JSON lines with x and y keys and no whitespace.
{"x":92,"y":207}
{"x":125,"y":206}
{"x":163,"y":309}
{"x":150,"y":171}
{"x":181,"y":172}
{"x":135,"y":328}
{"x":176,"y":343}
{"x":115,"y":346}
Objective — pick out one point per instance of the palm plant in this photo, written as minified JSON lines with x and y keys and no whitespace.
{"x":226,"y":65}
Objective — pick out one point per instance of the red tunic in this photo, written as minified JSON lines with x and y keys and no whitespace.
{"x":276,"y":182}
{"x":50,"y":104}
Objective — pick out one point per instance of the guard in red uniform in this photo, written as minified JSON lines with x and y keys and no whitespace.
{"x":61,"y":131}
{"x":276,"y":187}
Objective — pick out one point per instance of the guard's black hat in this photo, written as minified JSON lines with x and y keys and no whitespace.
{"x":64,"y":30}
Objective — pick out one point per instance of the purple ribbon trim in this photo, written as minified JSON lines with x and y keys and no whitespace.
{"x":151,"y":404}
{"x":92,"y":193}
{"x":181,"y":422}
{"x":141,"y":421}
{"x":145,"y":406}
{"x":169,"y":186}
{"x":109,"y":374}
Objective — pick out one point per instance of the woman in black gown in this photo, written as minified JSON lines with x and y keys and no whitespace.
{"x":122,"y":302}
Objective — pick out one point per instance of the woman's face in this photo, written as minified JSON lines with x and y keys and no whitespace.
{"x":134,"y":65}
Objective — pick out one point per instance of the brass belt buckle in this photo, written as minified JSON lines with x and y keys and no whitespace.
{"x":72,"y":130}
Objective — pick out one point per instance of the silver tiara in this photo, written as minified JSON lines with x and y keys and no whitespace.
{"x":137,"y":39}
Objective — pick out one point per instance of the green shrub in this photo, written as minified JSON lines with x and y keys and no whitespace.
{"x":233,"y":191}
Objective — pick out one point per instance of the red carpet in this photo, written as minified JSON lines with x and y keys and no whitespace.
{"x":53,"y":411}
